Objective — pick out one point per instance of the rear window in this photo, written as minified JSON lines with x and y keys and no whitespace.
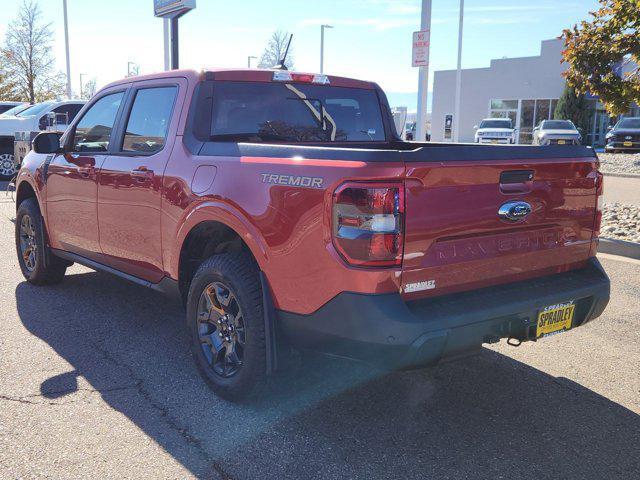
{"x":251,"y":111}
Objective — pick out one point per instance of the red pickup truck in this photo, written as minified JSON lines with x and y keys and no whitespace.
{"x":285,"y":212}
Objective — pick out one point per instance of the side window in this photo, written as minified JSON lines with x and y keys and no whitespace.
{"x":149,"y":120}
{"x":68,"y":111}
{"x":93,"y":131}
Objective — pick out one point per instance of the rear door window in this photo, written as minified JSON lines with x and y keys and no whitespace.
{"x":295,"y":113}
{"x":149,"y":120}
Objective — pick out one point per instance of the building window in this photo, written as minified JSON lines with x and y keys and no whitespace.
{"x":504,"y":109}
{"x":524,"y":113}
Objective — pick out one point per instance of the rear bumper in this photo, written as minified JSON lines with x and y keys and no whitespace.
{"x":385,"y":330}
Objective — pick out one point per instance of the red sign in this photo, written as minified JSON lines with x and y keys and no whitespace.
{"x":421,"y":41}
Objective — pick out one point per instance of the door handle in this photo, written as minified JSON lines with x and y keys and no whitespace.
{"x":86,"y":172}
{"x":142,"y":174}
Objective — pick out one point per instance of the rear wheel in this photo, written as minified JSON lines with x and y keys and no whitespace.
{"x":224,"y":316}
{"x":37,"y":264}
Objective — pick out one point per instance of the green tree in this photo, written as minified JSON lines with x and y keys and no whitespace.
{"x":604,"y":55}
{"x":573,"y":106}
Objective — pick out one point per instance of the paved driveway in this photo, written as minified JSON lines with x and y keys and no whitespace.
{"x":96,"y":381}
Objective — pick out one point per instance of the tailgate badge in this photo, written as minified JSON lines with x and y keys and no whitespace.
{"x":419,"y":286}
{"x":514,"y":211}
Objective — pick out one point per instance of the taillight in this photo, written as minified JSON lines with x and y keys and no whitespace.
{"x":368,"y":223}
{"x":599,"y":203}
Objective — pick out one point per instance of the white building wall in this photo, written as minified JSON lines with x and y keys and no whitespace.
{"x":506,"y":79}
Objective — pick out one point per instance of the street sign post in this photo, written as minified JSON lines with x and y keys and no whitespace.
{"x":421,"y":46}
{"x":420,"y":52}
{"x":172,"y":10}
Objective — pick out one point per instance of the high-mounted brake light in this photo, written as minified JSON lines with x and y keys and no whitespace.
{"x":283,"y":76}
{"x":368,"y":223}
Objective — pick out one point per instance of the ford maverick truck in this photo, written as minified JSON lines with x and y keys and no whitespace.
{"x":285,"y":213}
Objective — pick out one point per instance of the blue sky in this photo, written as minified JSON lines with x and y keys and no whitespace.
{"x":371,"y":38}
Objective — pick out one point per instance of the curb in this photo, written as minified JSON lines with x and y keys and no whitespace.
{"x":622,"y":175}
{"x":619,"y":247}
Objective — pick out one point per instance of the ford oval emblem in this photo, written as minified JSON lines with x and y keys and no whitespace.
{"x":514,"y":211}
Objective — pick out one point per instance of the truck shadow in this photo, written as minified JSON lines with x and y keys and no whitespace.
{"x":488,"y":416}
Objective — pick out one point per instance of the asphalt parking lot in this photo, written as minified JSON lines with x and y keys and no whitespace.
{"x":97,"y":382}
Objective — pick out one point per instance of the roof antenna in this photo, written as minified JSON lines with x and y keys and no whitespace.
{"x":281,"y":65}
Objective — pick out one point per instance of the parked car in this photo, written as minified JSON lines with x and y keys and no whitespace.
{"x":310,"y":224}
{"x":496,"y":130}
{"x":40,"y":116}
{"x":13,"y":111}
{"x":410,"y":132}
{"x":624,"y":136}
{"x":556,"y":132}
{"x":4,"y":106}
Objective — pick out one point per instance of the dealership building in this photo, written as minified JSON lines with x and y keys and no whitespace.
{"x":524,"y":89}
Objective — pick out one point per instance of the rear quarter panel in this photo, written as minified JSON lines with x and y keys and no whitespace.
{"x":287,"y":227}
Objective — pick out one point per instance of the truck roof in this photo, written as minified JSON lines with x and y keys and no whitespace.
{"x":243,"y":75}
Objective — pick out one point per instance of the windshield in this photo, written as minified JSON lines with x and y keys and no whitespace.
{"x":250,"y":111}
{"x":15,"y":110}
{"x":495,"y":124}
{"x":557,"y":125}
{"x":36,"y":109}
{"x":629,"y":123}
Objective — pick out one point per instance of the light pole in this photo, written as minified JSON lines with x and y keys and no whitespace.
{"x":322,"y":27}
{"x":81,"y":84}
{"x":249,"y":58}
{"x":66,"y":45}
{"x":456,"y":117}
{"x":423,"y":78}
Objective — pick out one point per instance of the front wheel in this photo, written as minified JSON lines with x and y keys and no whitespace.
{"x":7,"y":167}
{"x":38,"y":266}
{"x":226,"y":325}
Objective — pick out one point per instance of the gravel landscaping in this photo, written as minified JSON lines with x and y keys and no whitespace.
{"x":621,"y":222}
{"x":620,"y":162}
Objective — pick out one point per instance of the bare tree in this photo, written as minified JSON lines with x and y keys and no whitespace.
{"x":275,"y":49}
{"x":27,"y":60}
{"x":88,"y":89}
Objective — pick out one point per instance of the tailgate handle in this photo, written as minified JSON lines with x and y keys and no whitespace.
{"x":516,"y":176}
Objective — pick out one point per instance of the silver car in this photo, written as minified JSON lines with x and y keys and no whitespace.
{"x":556,"y":132}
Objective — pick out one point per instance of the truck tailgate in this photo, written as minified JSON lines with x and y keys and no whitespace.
{"x":455,"y":239}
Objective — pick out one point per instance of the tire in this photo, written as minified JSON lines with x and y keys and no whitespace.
{"x":38,"y":265}
{"x":226,"y":325}
{"x":7,"y":167}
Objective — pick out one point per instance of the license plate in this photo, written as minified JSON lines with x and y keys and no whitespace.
{"x":561,"y":142}
{"x":555,"y":319}
{"x":628,"y":144}
{"x":494,"y":141}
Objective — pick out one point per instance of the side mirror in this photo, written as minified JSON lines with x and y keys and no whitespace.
{"x":47,"y":142}
{"x":609,"y":128}
{"x":475,"y":127}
